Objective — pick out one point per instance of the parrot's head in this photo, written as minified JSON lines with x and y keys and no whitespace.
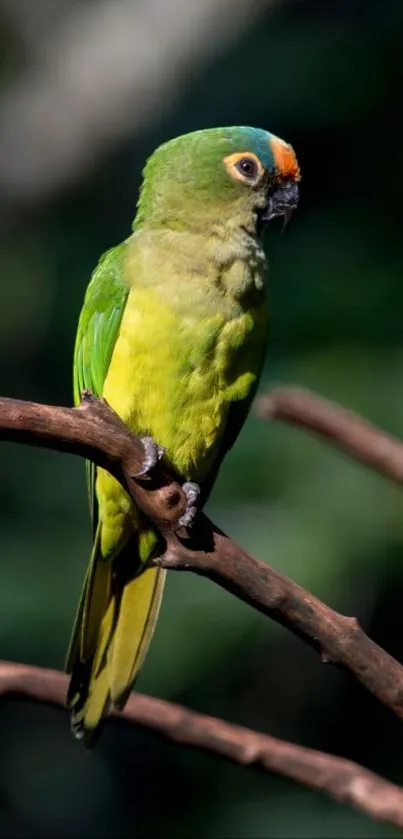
{"x":237,"y":175}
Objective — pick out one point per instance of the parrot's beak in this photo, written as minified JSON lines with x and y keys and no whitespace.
{"x":282,"y":202}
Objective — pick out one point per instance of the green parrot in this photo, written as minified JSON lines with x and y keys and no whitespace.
{"x":172,"y":334}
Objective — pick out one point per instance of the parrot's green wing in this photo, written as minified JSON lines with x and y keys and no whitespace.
{"x":97,"y":332}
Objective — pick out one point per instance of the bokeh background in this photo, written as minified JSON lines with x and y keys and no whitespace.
{"x":88,"y":88}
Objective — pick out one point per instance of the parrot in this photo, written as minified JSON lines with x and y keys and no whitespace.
{"x":172,"y":334}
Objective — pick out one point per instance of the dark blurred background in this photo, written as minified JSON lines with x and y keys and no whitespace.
{"x":87,"y":90}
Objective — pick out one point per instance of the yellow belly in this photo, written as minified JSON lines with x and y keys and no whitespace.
{"x":173,"y":378}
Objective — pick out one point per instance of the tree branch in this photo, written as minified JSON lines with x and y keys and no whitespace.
{"x":341,"y":779}
{"x":344,"y":429}
{"x":93,"y":430}
{"x":339,"y":639}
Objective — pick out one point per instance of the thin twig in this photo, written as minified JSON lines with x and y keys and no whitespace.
{"x":341,"y":779}
{"x":344,"y":429}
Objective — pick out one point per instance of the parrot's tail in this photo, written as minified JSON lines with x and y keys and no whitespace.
{"x":115,"y":622}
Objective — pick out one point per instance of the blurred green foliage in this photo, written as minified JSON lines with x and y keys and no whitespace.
{"x":327,"y":77}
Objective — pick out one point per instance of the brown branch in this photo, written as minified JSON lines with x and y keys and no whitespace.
{"x":339,"y":639}
{"x":344,"y":429}
{"x":341,"y":779}
{"x":94,"y":431}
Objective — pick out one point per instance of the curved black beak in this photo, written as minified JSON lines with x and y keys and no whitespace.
{"x":282,"y":202}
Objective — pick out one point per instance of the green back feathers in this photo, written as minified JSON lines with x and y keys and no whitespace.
{"x":99,"y":323}
{"x":98,"y":328}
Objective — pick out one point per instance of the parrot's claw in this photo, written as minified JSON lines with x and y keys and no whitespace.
{"x":77,"y":728}
{"x":152,"y":454}
{"x":192,"y":492}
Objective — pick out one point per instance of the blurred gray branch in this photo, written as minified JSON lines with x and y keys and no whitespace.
{"x":96,"y":73}
{"x":344,"y":429}
{"x":341,"y":779}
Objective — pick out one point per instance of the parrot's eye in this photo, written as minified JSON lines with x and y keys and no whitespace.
{"x":247,"y":167}
{"x":244,"y":166}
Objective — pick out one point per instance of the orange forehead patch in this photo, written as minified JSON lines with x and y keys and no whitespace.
{"x":232,"y":159}
{"x":285,"y":160}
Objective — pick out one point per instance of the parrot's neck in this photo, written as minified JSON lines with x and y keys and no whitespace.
{"x":196,"y":216}
{"x":239,"y":260}
{"x":228,"y":263}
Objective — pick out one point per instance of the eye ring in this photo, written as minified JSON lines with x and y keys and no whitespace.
{"x":245,"y":167}
{"x":248,"y":168}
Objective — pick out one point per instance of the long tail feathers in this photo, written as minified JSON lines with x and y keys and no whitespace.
{"x":92,"y":607}
{"x":138,"y":613}
{"x":115,"y":622}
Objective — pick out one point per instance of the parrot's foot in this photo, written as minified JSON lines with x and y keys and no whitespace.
{"x":77,"y":728}
{"x":152,"y":454}
{"x":192,"y":492}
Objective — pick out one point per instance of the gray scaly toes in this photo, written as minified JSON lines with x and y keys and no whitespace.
{"x":152,"y":454}
{"x":192,"y":492}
